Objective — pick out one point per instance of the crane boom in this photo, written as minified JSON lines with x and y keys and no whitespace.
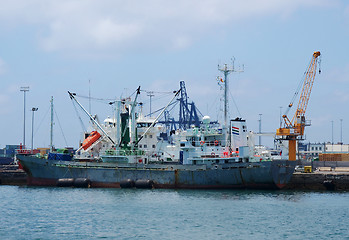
{"x":295,"y":127}
{"x":307,"y":86}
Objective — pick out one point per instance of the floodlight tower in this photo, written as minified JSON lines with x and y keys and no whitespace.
{"x":24,"y":90}
{"x":34,"y":109}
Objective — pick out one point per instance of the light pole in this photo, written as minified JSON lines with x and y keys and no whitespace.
{"x":24,"y":90}
{"x":341,"y":134}
{"x":260,"y":129}
{"x":33,"y":110}
{"x":280,"y":117}
{"x":332,"y":135}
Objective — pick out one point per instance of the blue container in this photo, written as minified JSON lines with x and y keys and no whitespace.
{"x":10,"y":150}
{"x":59,"y":156}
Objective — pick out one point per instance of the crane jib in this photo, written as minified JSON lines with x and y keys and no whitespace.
{"x":293,"y":129}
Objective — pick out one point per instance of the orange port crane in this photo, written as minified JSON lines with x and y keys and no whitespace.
{"x":293,"y":130}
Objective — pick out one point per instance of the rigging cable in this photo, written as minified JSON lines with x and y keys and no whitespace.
{"x":59,"y":123}
{"x":192,"y":102}
{"x":159,"y":97}
{"x":214,"y":105}
{"x":296,"y":93}
{"x":169,"y":92}
{"x":96,"y":99}
{"x":173,"y":103}
{"x":235,"y":104}
{"x":42,"y":120}
{"x":77,"y":113}
{"x":133,"y":93}
{"x":173,"y":106}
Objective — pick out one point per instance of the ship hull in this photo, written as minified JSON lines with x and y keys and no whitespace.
{"x":258,"y":175}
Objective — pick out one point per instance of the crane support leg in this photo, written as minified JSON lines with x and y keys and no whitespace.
{"x":292,"y":149}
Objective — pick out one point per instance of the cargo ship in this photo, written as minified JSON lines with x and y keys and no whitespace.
{"x":255,"y":175}
{"x":201,"y":157}
{"x":204,"y":163}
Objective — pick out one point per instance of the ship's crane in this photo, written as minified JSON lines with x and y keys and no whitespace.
{"x":293,"y":130}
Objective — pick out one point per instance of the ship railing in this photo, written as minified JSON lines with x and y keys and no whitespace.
{"x":209,"y":143}
{"x":124,"y":152}
{"x":198,"y":153}
{"x":27,"y":151}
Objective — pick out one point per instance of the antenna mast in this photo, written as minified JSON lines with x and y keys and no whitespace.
{"x":226,"y":70}
{"x":150,"y":94}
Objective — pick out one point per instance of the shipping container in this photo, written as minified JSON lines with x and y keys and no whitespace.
{"x":331,"y":157}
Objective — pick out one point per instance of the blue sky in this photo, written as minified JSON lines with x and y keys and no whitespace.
{"x":58,"y":46}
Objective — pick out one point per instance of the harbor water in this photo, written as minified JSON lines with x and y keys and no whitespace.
{"x":73,"y":213}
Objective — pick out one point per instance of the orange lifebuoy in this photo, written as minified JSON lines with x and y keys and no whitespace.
{"x":216,"y":142}
{"x":202,"y":143}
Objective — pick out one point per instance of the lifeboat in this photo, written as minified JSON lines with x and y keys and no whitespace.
{"x":93,"y":137}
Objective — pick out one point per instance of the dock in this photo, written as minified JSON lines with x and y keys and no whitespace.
{"x":323,"y":179}
{"x":12,"y":175}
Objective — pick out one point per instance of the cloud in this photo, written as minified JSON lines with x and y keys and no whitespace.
{"x":106,"y":25}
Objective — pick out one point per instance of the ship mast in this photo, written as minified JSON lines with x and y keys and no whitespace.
{"x":51,"y":132}
{"x":226,"y":70}
{"x":118,"y":121}
{"x":132,"y":125}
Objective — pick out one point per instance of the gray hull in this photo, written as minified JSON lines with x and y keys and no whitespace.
{"x":268,"y":174}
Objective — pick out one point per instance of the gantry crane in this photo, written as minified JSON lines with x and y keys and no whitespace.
{"x":293,"y":130}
